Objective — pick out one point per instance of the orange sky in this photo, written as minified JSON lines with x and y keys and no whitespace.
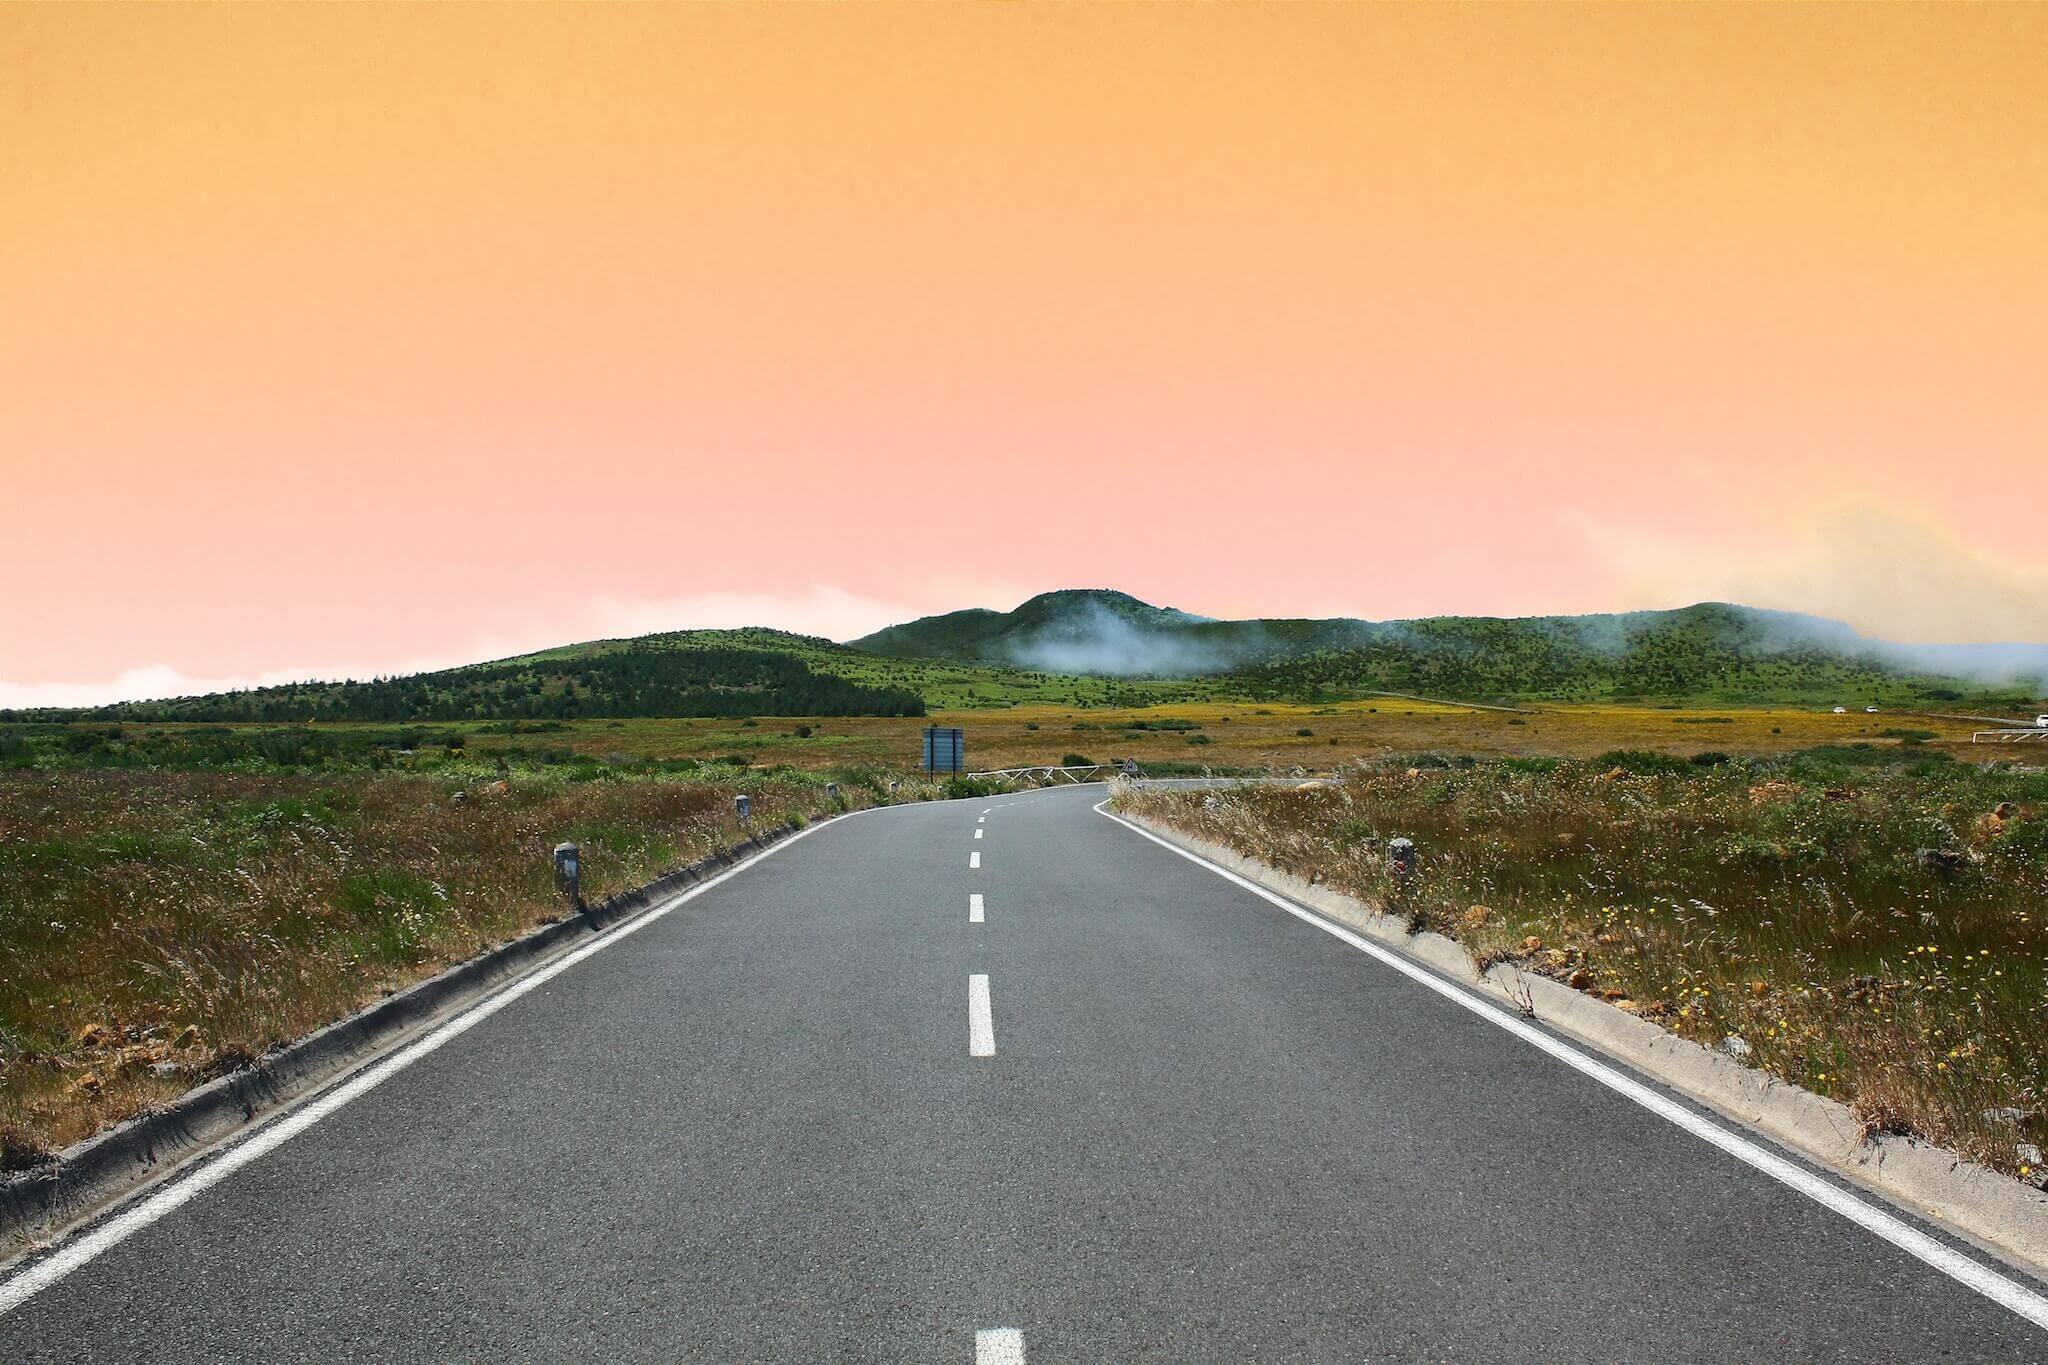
{"x":350,"y":338}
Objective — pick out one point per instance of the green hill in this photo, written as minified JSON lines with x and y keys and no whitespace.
{"x":655,"y":676}
{"x":1705,"y":652}
{"x":748,"y":672}
{"x":1709,"y":651}
{"x":1102,"y":631}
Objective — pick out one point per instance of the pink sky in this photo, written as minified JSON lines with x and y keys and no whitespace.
{"x":351,"y":339}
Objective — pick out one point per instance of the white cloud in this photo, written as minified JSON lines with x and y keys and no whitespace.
{"x":152,"y":682}
{"x":1890,"y":574}
{"x":135,"y":684}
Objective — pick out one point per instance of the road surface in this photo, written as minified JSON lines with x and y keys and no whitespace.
{"x":1083,"y":1100}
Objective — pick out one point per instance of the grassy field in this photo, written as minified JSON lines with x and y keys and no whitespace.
{"x":1776,"y":908}
{"x":1238,"y":736}
{"x":1226,"y":736}
{"x":176,"y":898}
{"x":159,"y":928}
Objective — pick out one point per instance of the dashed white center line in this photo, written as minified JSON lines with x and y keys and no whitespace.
{"x":978,"y":833}
{"x":974,"y":908}
{"x":982,"y":821}
{"x":974,"y":859}
{"x":999,"y":1346}
{"x":981,"y":1028}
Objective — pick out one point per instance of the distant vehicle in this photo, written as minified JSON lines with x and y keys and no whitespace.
{"x":1870,"y":710}
{"x":1841,"y":710}
{"x":2041,"y":722}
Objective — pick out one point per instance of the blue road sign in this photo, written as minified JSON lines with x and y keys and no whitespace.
{"x":945,"y":750}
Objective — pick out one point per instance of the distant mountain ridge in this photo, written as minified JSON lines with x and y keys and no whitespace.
{"x":685,"y":673}
{"x":1097,"y":647}
{"x":1709,"y":648}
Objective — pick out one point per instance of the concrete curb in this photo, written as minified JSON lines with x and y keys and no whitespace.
{"x":90,"y":1174}
{"x":1994,"y":1209}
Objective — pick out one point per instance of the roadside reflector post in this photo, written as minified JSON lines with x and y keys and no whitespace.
{"x":569,"y":873}
{"x":832,"y":791}
{"x":742,"y":808}
{"x":1401,"y":868}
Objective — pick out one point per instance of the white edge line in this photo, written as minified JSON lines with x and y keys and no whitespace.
{"x":39,"y":1275}
{"x":2005,"y":1292}
{"x":981,"y":1029}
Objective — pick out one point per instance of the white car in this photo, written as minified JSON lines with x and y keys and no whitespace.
{"x":2041,"y":722}
{"x":1841,"y":710}
{"x":1870,"y":710}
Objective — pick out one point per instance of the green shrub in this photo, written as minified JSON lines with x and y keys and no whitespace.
{"x":16,"y":751}
{"x":957,"y":788}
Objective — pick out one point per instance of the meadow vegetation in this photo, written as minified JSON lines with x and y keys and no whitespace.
{"x":1867,"y":922}
{"x":1192,"y":736}
{"x":177,"y":897}
{"x":1227,"y":737}
{"x":161,"y":927}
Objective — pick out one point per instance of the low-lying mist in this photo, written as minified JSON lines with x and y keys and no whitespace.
{"x":1992,"y":664}
{"x":1093,"y":639}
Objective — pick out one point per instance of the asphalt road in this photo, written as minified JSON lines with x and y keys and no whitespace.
{"x":757,"y":1129}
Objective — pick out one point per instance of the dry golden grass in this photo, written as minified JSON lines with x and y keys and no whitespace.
{"x":1777,"y":902}
{"x":1238,"y":736}
{"x":160,"y":928}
